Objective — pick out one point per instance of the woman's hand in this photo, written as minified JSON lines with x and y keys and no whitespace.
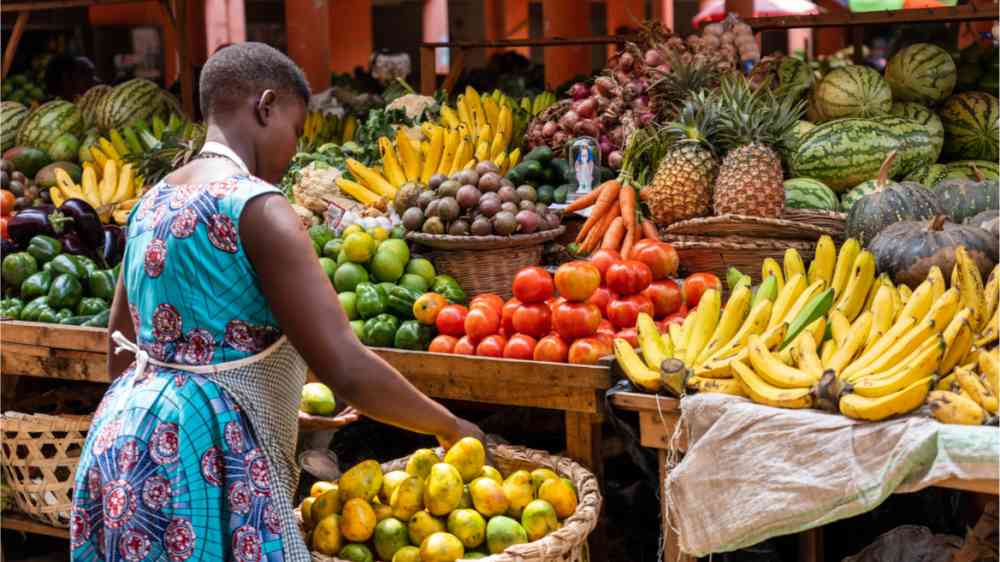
{"x":463,"y":428}
{"x":309,"y":422}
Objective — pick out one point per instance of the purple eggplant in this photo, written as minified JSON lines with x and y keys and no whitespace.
{"x":73,"y":244}
{"x":27,"y":224}
{"x":86,"y":223}
{"x":114,"y":245}
{"x":7,"y":247}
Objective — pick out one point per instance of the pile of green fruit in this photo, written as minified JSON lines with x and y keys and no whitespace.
{"x":42,"y":284}
{"x":378,"y":282}
{"x":553,"y":178}
{"x":22,"y":89}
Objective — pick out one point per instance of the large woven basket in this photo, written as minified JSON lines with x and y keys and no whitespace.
{"x":485,"y":264}
{"x":834,"y":222}
{"x":39,"y":455}
{"x":716,"y":254}
{"x":568,"y":543}
{"x":752,"y":227}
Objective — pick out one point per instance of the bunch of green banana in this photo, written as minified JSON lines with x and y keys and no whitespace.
{"x":320,"y":129}
{"x":538,"y":104}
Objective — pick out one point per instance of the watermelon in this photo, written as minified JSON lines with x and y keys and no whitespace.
{"x":852,"y":91}
{"x":922,"y":73}
{"x":12,"y":114}
{"x":921,"y":114}
{"x":66,"y":147}
{"x":134,"y":100}
{"x":963,"y":169}
{"x":857,"y":192}
{"x":928,"y":175}
{"x":48,"y":122}
{"x":971,"y":126}
{"x":916,"y":148}
{"x":797,"y":134}
{"x":807,"y":193}
{"x":90,"y":101}
{"x":844,"y":152}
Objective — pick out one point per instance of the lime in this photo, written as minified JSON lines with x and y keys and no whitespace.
{"x":348,"y":276}
{"x":317,"y":248}
{"x":358,"y":327}
{"x":342,"y":258}
{"x":321,"y":234}
{"x":414,"y":283}
{"x":386,"y":266}
{"x":351,"y":230}
{"x":422,"y":267}
{"x":349,"y":301}
{"x":379,"y":233}
{"x":398,"y":231}
{"x":358,"y":247}
{"x":397,"y":247}
{"x":329,"y":266}
{"x":332,"y":248}
{"x":356,"y":553}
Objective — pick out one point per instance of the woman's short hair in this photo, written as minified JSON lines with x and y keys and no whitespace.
{"x":246,"y":69}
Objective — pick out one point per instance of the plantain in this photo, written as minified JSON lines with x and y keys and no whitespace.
{"x":989,"y":367}
{"x":108,"y":149}
{"x":654,"y":348}
{"x":957,"y":340}
{"x":637,"y":372}
{"x":450,"y":117}
{"x":770,"y":267}
{"x":793,"y":264}
{"x":849,"y":251}
{"x":970,"y":382}
{"x":856,"y":291}
{"x":946,"y":383}
{"x":492,"y":112}
{"x":773,"y":371}
{"x":824,"y":262}
{"x":763,"y":393}
{"x":805,"y":356}
{"x":705,"y":322}
{"x":953,"y":408}
{"x":787,"y":296}
{"x":371,"y":179}
{"x":730,"y":322}
{"x":915,"y":368}
{"x":904,"y":401}
{"x":851,"y":344}
{"x":434,"y":152}
{"x":409,"y":157}
{"x":117,"y":141}
{"x":91,"y":191}
{"x":970,"y":285}
{"x":452,"y":138}
{"x":990,"y":334}
{"x":718,"y":386}
{"x":390,"y":165}
{"x":126,"y":186}
{"x":462,"y":155}
{"x":359,"y":192}
{"x":991,"y":293}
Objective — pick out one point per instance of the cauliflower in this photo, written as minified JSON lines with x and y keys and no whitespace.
{"x":413,"y":104}
{"x":305,"y":215}
{"x":317,"y":185}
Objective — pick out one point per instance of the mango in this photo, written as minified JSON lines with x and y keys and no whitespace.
{"x":407,"y":554}
{"x":420,"y":463}
{"x":326,"y":504}
{"x":356,"y":553}
{"x":488,"y":497}
{"x":540,"y":475}
{"x":321,"y":487}
{"x":364,"y":480}
{"x":306,"y":509}
{"x":517,"y":488}
{"x":492,"y":474}
{"x":382,"y":511}
{"x":326,"y":538}
{"x":444,"y":489}
{"x":539,"y":519}
{"x":389,"y":483}
{"x":469,"y":526}
{"x":407,"y":498}
{"x":423,"y":525}
{"x":441,"y":547}
{"x":390,"y":536}
{"x":475,"y":555}
{"x":357,"y":522}
{"x":560,"y":494}
{"x":466,"y":501}
{"x":468,"y":456}
{"x":503,"y":532}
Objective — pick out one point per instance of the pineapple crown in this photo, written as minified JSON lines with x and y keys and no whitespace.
{"x":750,"y":115}
{"x":697,"y":121}
{"x":688,"y":75}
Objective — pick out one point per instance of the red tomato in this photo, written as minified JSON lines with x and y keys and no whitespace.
{"x":533,"y":284}
{"x":623,"y":311}
{"x":659,"y":256}
{"x":605,"y":325}
{"x":628,"y":277}
{"x":464,"y":346}
{"x":695,"y":285}
{"x":587,"y":351}
{"x":533,"y":319}
{"x":491,"y":300}
{"x":629,"y":335}
{"x":666,"y":297}
{"x":603,"y":258}
{"x":577,"y":280}
{"x":675,"y":318}
{"x":507,"y":315}
{"x":491,"y":346}
{"x":520,"y":346}
{"x":443,"y":344}
{"x":7,"y":203}
{"x":573,"y":320}
{"x":554,"y":302}
{"x":600,"y":299}
{"x":481,"y":321}
{"x":451,"y":320}
{"x":551,"y":348}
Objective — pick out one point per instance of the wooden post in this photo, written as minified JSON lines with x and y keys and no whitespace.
{"x":457,"y":64}
{"x":428,"y":75}
{"x":351,"y":33}
{"x":175,"y":15}
{"x":743,"y":8}
{"x":307,"y":23}
{"x":623,"y":14}
{"x":858,"y":41}
{"x":565,"y":18}
{"x":15,"y":38}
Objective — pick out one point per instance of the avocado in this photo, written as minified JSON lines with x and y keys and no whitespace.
{"x":545,"y":193}
{"x":27,"y":160}
{"x":540,"y":154}
{"x":515,"y":175}
{"x":561,"y":192}
{"x":46,"y":177}
{"x":531,"y":170}
{"x":563,"y":172}
{"x":549,"y":175}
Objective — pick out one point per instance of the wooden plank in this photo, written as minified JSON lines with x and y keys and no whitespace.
{"x":21,"y":522}
{"x":811,"y":545}
{"x":638,"y":402}
{"x":671,"y":542}
{"x":428,"y":71}
{"x":991,"y":487}
{"x":55,"y":335}
{"x":60,"y":364}
{"x":8,"y":7}
{"x":540,"y":42}
{"x":15,"y":38}
{"x":481,"y":389}
{"x":657,"y":432}
{"x":456,"y":65}
{"x":966,"y":12}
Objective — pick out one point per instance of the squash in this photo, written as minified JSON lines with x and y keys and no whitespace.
{"x":962,"y":198}
{"x":891,"y":202}
{"x":986,"y":220}
{"x":907,"y":250}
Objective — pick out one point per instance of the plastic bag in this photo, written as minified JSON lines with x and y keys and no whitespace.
{"x":909,"y":543}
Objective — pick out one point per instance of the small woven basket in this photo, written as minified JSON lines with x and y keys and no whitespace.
{"x":39,"y":454}
{"x":485,"y":264}
{"x":716,"y":254}
{"x":750,"y":227}
{"x":832,"y":221}
{"x":568,"y":543}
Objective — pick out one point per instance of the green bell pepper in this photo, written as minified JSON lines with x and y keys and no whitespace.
{"x":441,"y":281}
{"x":65,"y":291}
{"x":75,"y":320}
{"x":48,"y":315}
{"x":11,"y":308}
{"x":99,"y":320}
{"x":413,"y":335}
{"x":18,"y":267}
{"x":38,"y":284}
{"x":453,"y":293}
{"x":401,"y":302}
{"x":358,"y":327}
{"x":64,"y":313}
{"x":372,"y":300}
{"x":380,"y":331}
{"x":31,"y":310}
{"x":44,"y":248}
{"x":47,"y":266}
{"x":87,"y":264}
{"x":320,"y":235}
{"x":66,"y":264}
{"x":101,"y":284}
{"x":91,"y":305}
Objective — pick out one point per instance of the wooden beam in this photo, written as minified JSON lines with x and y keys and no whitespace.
{"x":428,"y":72}
{"x":15,"y":38}
{"x":542,"y":42}
{"x":175,"y":15}
{"x":18,"y":522}
{"x":10,"y":7}
{"x":966,"y":12}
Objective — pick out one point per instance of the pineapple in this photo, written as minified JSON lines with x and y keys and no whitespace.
{"x":753,"y":127}
{"x":688,"y":75}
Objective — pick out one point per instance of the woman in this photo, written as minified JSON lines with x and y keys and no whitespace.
{"x":191,"y":455}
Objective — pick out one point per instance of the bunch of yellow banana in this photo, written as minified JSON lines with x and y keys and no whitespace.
{"x":654,"y":371}
{"x":320,"y":129}
{"x":112,"y":196}
{"x":478,"y":128}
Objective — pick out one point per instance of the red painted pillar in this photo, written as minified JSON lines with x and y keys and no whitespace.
{"x":565,"y":18}
{"x":624,"y":14}
{"x":307,"y":26}
{"x":351,"y":40}
{"x":435,"y":26}
{"x":663,"y":10}
{"x":515,"y":22}
{"x":225,"y":22}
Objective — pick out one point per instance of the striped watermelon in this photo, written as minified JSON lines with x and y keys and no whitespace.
{"x":963,"y":169}
{"x":852,"y":91}
{"x":928,"y":175}
{"x":857,"y":192}
{"x":135,"y":100}
{"x":971,"y":126}
{"x":927,"y":118}
{"x":916,"y":149}
{"x":922,"y":72}
{"x":48,"y":122}
{"x":90,"y":101}
{"x":12,"y":114}
{"x":807,"y":193}
{"x":844,"y":152}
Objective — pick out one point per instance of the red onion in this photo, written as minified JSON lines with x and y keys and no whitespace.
{"x":560,"y":138}
{"x":549,"y":129}
{"x":606,"y":146}
{"x":653,"y":57}
{"x":622,"y":77}
{"x":633,"y":89}
{"x":587,"y":127}
{"x":604,"y":85}
{"x":664,"y":68}
{"x":645,"y":117}
{"x":568,"y":120}
{"x":615,"y":159}
{"x":626,"y":60}
{"x":586,"y":108}
{"x":616,"y":136}
{"x":578,"y":91}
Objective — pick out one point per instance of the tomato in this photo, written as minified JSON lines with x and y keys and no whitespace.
{"x":491,"y":346}
{"x":551,"y":348}
{"x":695,"y":285}
{"x":675,"y":318}
{"x":622,"y":311}
{"x":573,"y":320}
{"x":554,"y":302}
{"x":659,"y":256}
{"x":507,"y":315}
{"x":588,"y":351}
{"x":577,"y":280}
{"x":481,"y":321}
{"x":603,"y":258}
{"x":628,"y":277}
{"x":427,"y":307}
{"x":451,"y":320}
{"x":629,"y":335}
{"x":443,"y":344}
{"x":533,"y":319}
{"x":7,"y":203}
{"x":490,"y":300}
{"x":666,"y":297}
{"x":3,"y":229}
{"x":533,"y":284}
{"x":600,"y":299}
{"x":520,"y":346}
{"x":464,"y":346}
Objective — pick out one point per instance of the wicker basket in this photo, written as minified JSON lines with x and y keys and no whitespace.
{"x":568,"y":543}
{"x":750,"y":227}
{"x":485,"y":264}
{"x":716,"y":254}
{"x":40,"y":454}
{"x":834,"y":222}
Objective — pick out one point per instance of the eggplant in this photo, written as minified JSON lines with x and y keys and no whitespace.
{"x":27,"y":224}
{"x":86,"y":223}
{"x":73,"y":244}
{"x":113,"y":247}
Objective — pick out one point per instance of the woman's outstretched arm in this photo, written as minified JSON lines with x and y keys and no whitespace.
{"x":119,"y":320}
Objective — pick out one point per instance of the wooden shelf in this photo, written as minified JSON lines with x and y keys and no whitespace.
{"x":56,"y":5}
{"x":966,"y":12}
{"x":20,"y":522}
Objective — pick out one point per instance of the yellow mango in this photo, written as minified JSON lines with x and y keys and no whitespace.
{"x":469,"y":526}
{"x":441,"y":547}
{"x":517,"y":488}
{"x":407,"y":554}
{"x":305,"y":508}
{"x":540,"y":475}
{"x":444,"y":489}
{"x":423,"y":525}
{"x":389,"y":483}
{"x":420,"y":463}
{"x":357,"y":522}
{"x":488,"y":497}
{"x":539,"y":519}
{"x":326,"y":505}
{"x":364,"y":480}
{"x":326,"y":537}
{"x":560,"y":494}
{"x":492,"y":474}
{"x":468,"y":456}
{"x":407,"y":498}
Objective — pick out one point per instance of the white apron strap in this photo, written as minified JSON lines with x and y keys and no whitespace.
{"x":141,"y":357}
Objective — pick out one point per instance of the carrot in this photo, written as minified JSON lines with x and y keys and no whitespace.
{"x":626,"y":245}
{"x":608,"y":196}
{"x":627,"y":198}
{"x":649,"y":230}
{"x":596,"y":234}
{"x":613,"y":237}
{"x":585,"y":201}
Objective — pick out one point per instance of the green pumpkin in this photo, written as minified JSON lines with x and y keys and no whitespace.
{"x":891,"y":202}
{"x":962,"y":198}
{"x":986,"y":220}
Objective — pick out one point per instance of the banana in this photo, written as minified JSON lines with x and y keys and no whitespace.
{"x":919,"y":302}
{"x":641,"y":376}
{"x":957,"y":340}
{"x":882,"y":315}
{"x":464,"y":114}
{"x":977,"y":389}
{"x":793,"y":264}
{"x":916,"y":368}
{"x":66,"y":186}
{"x":773,"y":371}
{"x":450,"y":117}
{"x":100,"y":158}
{"x":770,"y":267}
{"x":371,"y":179}
{"x":763,"y":393}
{"x":462,"y":154}
{"x":720,"y":366}
{"x":731,"y":321}
{"x":847,"y":349}
{"x":787,"y":296}
{"x":492,"y":112}
{"x":991,"y":332}
{"x":475,"y":107}
{"x":358,"y":191}
{"x":804,"y":298}
{"x":109,"y":149}
{"x":989,"y":367}
{"x":118,"y":142}
{"x":904,"y":294}
{"x":991,"y":293}
{"x":949,"y":407}
{"x":906,"y":400}
{"x":840,"y":327}
{"x":821,"y":268}
{"x":126,"y":187}
{"x":936,"y":278}
{"x":496,"y":147}
{"x":827,"y":350}
{"x":390,"y":165}
{"x":946,"y":382}
{"x":849,"y":251}
{"x":132,"y":140}
{"x":970,"y":284}
{"x":410,"y":158}
{"x":911,"y":314}
{"x":705,"y":322}
{"x":452,"y":139}
{"x":767,"y":290}
{"x":433,"y":155}
{"x":755,"y":324}
{"x":681,"y":350}
{"x":513,"y":158}
{"x":805,"y":357}
{"x":676,"y":334}
{"x":861,"y":277}
{"x":91,"y":192}
{"x":718,"y":386}
{"x":654,"y":348}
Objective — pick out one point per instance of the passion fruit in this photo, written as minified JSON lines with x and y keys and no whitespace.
{"x":490,"y":181}
{"x":486,"y":167}
{"x":526,"y":205}
{"x":541,"y":208}
{"x":436,"y":180}
{"x":425,"y":198}
{"x":481,"y":227}
{"x":528,"y":221}
{"x":432,"y":208}
{"x":433,"y":225}
{"x":527,"y":192}
{"x":489,"y":205}
{"x":466,"y":177}
{"x":508,"y":194}
{"x":459,"y":228}
{"x":406,"y":197}
{"x":448,"y":188}
{"x":509,"y":207}
{"x":468,"y":196}
{"x":413,"y":218}
{"x":504,"y":223}
{"x":448,"y":209}
{"x":506,"y":181}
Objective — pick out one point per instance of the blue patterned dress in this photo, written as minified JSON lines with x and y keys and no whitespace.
{"x":177,"y":465}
